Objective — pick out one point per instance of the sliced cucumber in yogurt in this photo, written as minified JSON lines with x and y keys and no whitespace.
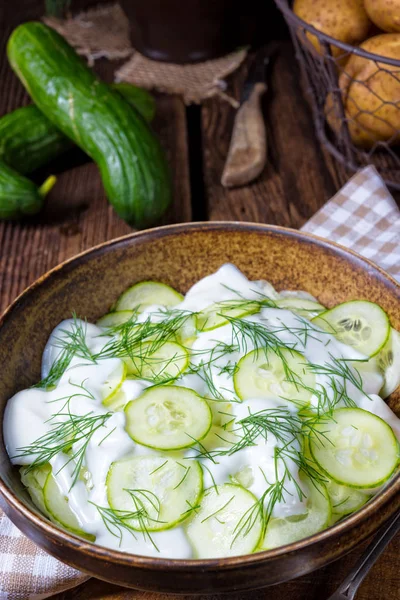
{"x":158,"y":491}
{"x":302,"y":306}
{"x":355,"y":448}
{"x":359,"y":323}
{"x":389,"y":363}
{"x":113,"y":382}
{"x":296,"y":527}
{"x":157,"y":363}
{"x":57,"y":506}
{"x":345,"y":500}
{"x":168,"y":418}
{"x":113,"y":319}
{"x":34,"y":480}
{"x":147,"y":293}
{"x":220,"y":527}
{"x":216,"y":315}
{"x":274,"y":373}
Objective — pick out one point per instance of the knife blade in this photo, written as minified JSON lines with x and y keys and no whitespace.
{"x":248,"y":146}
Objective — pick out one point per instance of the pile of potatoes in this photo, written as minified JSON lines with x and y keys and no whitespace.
{"x":370,"y":89}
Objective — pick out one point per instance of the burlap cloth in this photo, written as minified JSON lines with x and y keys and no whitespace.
{"x":362,"y":216}
{"x":104,"y":32}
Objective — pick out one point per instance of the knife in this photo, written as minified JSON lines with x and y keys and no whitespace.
{"x":248,"y":147}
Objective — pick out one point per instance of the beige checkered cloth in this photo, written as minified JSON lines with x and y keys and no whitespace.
{"x":362,"y":216}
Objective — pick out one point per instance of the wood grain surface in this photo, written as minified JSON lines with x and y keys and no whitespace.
{"x":298,"y":179}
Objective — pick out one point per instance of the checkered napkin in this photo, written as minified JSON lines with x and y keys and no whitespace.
{"x":362,"y":216}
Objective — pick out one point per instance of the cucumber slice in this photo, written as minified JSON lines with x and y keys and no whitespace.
{"x":359,"y":323}
{"x":220,"y":527}
{"x":215,"y":315}
{"x":355,"y":448}
{"x":160,"y":489}
{"x":370,"y":373}
{"x":345,"y":500}
{"x":113,"y":382}
{"x":115,"y":318}
{"x":168,"y":418}
{"x":146,"y":293}
{"x":166,"y":362}
{"x":34,"y":480}
{"x":267,"y":374}
{"x":285,"y":531}
{"x":389,"y":362}
{"x":301,"y":306}
{"x":57,"y":506}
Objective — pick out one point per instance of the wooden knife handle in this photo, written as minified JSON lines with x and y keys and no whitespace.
{"x":248,"y":148}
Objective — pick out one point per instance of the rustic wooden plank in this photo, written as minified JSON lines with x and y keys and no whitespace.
{"x":77,"y":214}
{"x":297,"y":179}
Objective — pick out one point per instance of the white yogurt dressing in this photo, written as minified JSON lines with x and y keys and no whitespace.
{"x":28,"y":414}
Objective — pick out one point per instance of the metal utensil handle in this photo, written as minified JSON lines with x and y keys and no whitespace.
{"x":385,"y":535}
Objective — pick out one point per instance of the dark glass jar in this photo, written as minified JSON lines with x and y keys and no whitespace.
{"x":194,"y":30}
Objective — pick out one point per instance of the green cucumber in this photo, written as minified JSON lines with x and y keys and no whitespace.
{"x":216,"y":315}
{"x":168,"y":418}
{"x":29,"y":140}
{"x":34,"y":480}
{"x":345,"y":500}
{"x":359,"y":323}
{"x":19,"y":196}
{"x":112,"y":383}
{"x":57,"y":507}
{"x":164,"y":363}
{"x":114,"y":319}
{"x":144,"y":294}
{"x":280,"y":532}
{"x":302,"y":306}
{"x":355,"y":448}
{"x":219,"y":528}
{"x":133,"y":166}
{"x":388,"y":361}
{"x":160,"y":489}
{"x":263,"y":373}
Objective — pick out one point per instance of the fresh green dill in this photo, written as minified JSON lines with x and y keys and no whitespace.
{"x":216,"y":512}
{"x":72,"y":343}
{"x":338,"y":373}
{"x":67,"y":430}
{"x":118,"y":521}
{"x":187,"y":469}
{"x":192,"y":508}
{"x":158,"y":468}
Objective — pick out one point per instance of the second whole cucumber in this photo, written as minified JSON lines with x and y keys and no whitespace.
{"x":132,"y":163}
{"x":29,"y":140}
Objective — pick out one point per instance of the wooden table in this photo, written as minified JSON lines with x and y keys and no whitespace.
{"x":299,"y":178}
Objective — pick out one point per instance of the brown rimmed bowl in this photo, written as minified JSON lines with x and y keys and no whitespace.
{"x":180,"y":255}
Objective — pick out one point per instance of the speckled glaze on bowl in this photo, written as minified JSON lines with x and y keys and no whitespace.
{"x":180,"y":255}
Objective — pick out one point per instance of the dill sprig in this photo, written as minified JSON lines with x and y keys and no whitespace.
{"x":139,"y":519}
{"x":339,"y":373}
{"x":73,"y":343}
{"x":68,"y":429}
{"x":277,"y":491}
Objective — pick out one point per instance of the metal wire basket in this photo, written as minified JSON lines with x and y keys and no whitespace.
{"x":357,"y":129}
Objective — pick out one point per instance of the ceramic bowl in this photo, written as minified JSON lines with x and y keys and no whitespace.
{"x":179,"y":255}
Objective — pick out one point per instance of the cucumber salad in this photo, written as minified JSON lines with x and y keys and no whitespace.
{"x":232,"y":420}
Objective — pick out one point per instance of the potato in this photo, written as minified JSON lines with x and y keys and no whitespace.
{"x":384,"y":13}
{"x":344,"y":20}
{"x":371,"y":94}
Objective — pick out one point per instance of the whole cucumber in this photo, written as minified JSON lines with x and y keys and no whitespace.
{"x":132,"y":164}
{"x":28,"y":140}
{"x":18,"y":195}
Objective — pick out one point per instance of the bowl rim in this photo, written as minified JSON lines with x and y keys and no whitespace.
{"x":160,"y":563}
